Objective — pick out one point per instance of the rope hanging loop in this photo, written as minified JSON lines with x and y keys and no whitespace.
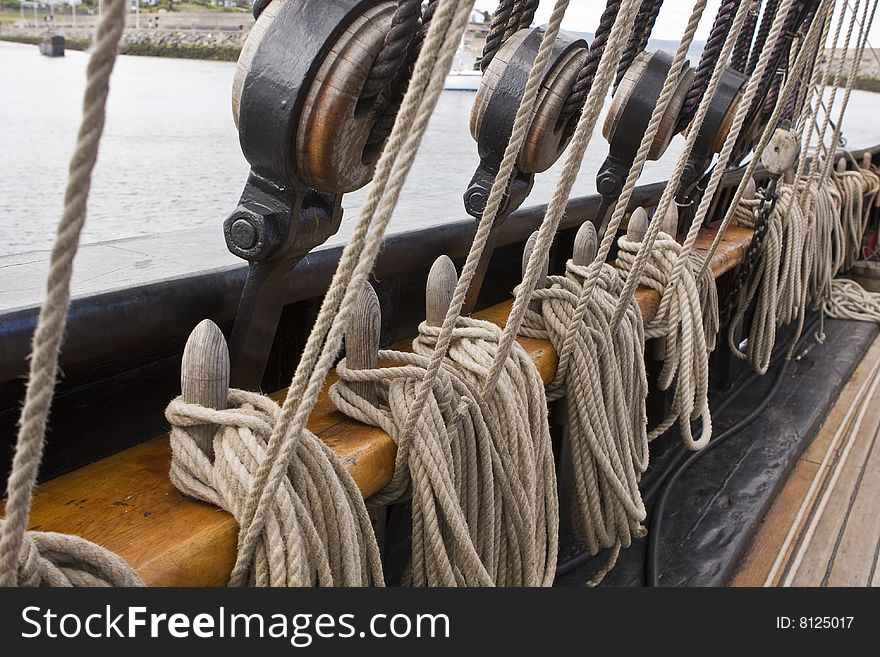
{"x":605,"y":389}
{"x":684,"y":325}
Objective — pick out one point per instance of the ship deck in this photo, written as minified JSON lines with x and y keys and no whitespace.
{"x":823,"y":528}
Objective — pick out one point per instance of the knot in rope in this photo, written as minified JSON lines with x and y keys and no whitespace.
{"x":317,"y":532}
{"x":682,"y":324}
{"x":605,"y":389}
{"x":479,"y":469}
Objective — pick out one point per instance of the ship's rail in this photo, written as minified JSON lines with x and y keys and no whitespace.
{"x":122,"y":366}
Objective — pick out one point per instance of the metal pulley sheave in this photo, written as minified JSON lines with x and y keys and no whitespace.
{"x":310,"y":135}
{"x":633,"y":103}
{"x":492,"y":118}
{"x":710,"y":140}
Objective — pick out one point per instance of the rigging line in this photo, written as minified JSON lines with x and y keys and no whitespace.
{"x":669,"y":191}
{"x":814,"y":32}
{"x":867,"y":40}
{"x":609,"y":236}
{"x":775,"y":37}
{"x":493,"y":205}
{"x":358,"y":256}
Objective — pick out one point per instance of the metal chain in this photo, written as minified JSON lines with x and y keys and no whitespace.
{"x":754,"y":251}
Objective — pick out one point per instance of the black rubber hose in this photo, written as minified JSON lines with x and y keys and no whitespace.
{"x":652,"y":557}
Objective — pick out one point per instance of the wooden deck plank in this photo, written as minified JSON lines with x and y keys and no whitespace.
{"x":823,"y":544}
{"x":854,"y":557}
{"x":763,"y":552}
{"x":127,"y":504}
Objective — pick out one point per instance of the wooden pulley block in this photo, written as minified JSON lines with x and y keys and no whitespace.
{"x":501,"y":91}
{"x":636,"y":97}
{"x":297,"y":91}
{"x":781,"y":152}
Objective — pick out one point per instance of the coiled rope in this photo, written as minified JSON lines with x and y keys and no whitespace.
{"x":37,"y":558}
{"x":317,"y":533}
{"x":681,"y":324}
{"x":605,"y":411}
{"x":482,"y":483}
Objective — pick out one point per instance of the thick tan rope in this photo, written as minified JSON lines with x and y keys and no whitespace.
{"x":606,"y":390}
{"x":482,"y":482}
{"x":685,"y":360}
{"x":31,"y":558}
{"x":358,"y":256}
{"x":317,"y":533}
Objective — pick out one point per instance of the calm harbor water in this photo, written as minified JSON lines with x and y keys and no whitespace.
{"x":170,"y":157}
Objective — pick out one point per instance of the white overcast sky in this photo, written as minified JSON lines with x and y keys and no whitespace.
{"x":583,"y":16}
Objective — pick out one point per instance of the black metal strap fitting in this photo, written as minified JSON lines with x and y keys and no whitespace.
{"x":495,"y":107}
{"x":298,"y":79}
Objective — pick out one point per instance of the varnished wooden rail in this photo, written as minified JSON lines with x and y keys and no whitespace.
{"x":127,"y":504}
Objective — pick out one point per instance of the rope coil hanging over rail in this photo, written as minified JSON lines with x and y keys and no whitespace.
{"x":482,"y":482}
{"x":318,"y":532}
{"x":605,"y":391}
{"x":681,"y":324}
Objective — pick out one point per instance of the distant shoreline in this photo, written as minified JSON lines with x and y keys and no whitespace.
{"x":229,"y":52}
{"x":222,"y":53}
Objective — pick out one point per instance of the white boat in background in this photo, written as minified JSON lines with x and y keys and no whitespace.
{"x":462,"y":81}
{"x":462,"y":78}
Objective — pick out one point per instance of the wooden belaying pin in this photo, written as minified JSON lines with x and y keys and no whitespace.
{"x":442,"y":280}
{"x":586,"y":244}
{"x":638,"y":225}
{"x":841,"y":165}
{"x":362,"y":340}
{"x":535,"y":304}
{"x":751,"y":190}
{"x":204,"y":377}
{"x":669,"y":221}
{"x":867,"y":160}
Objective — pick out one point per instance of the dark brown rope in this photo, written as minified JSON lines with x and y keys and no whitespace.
{"x":761,"y":38}
{"x":708,"y":60}
{"x":393,"y":55}
{"x":638,"y":41}
{"x":502,"y":20}
{"x":740,"y":57}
